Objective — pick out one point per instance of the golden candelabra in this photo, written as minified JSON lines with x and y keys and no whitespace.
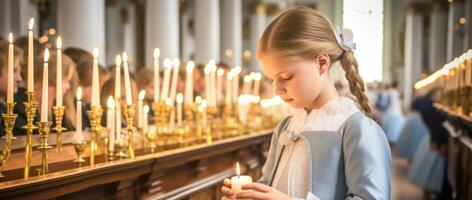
{"x":95,"y":117}
{"x":120,"y":148}
{"x":44,"y":130}
{"x":161,"y":112}
{"x":79,"y":148}
{"x":58,"y":116}
{"x":212,"y":113}
{"x":9,"y":119}
{"x":129,"y":115}
{"x":30,"y":108}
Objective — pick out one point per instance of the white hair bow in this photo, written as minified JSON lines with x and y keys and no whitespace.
{"x":345,"y":38}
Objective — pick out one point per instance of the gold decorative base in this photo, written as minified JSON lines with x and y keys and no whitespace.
{"x":30,"y":109}
{"x":58,"y":116}
{"x":79,"y":149}
{"x":129,"y":115}
{"x":44,"y":130}
{"x":95,"y":117}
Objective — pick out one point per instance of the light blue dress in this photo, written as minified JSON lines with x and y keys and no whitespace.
{"x":351,"y":163}
{"x":410,"y":136}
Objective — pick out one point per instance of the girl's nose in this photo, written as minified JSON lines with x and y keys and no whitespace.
{"x":278,"y":88}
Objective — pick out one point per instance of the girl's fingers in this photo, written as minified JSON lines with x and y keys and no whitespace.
{"x":251,"y":195}
{"x":257,"y":187}
{"x":227,"y":191}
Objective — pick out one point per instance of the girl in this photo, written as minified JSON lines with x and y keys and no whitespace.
{"x":328,"y":149}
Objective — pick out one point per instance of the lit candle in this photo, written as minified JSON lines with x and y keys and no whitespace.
{"x":219,"y":85}
{"x":235,"y":90}
{"x":157,"y":52}
{"x":141,"y":96}
{"x":166,"y":81}
{"x":10,"y":70}
{"x":30,"y":87}
{"x":238,"y":181}
{"x":229,"y":79}
{"x":207,"y":82}
{"x":118,"y":77}
{"x":257,"y":84}
{"x":78,"y":130}
{"x":145,"y":118}
{"x":44,"y":100}
{"x":111,"y":123}
{"x":175,"y":77}
{"x":180,"y":99}
{"x":59,"y":72}
{"x":95,"y":82}
{"x":129,"y":99}
{"x":189,"y":83}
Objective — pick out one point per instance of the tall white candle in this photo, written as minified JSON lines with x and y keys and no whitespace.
{"x":166,"y":81}
{"x":235,"y":90}
{"x":229,"y":80}
{"x":145,"y":118}
{"x":118,"y":77}
{"x":44,"y":100}
{"x":247,"y":84}
{"x":189,"y":83}
{"x":219,"y":86}
{"x":95,"y":82}
{"x":111,"y":123}
{"x":157,"y":52}
{"x":78,"y":130}
{"x":175,"y":77}
{"x":30,"y":87}
{"x":10,"y":70}
{"x":141,"y":96}
{"x":180,"y":99}
{"x":59,"y":72}
{"x":129,"y":98}
{"x":257,"y":84}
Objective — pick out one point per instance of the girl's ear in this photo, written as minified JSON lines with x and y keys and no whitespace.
{"x":323,"y":62}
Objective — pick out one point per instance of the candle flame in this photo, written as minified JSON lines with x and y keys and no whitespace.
{"x":111,"y":102}
{"x":237,"y":70}
{"x":220,"y":72}
{"x":204,"y":103}
{"x":198,"y":99}
{"x":141,"y":94}
{"x":201,"y":108}
{"x":238,"y":171}
{"x":190,"y":66}
{"x":211,"y":62}
{"x":207,"y":69}
{"x":167,"y":63}
{"x":10,"y":38}
{"x":118,"y":61}
{"x":59,"y":42}
{"x":125,"y":57}
{"x":95,"y":52}
{"x":257,"y":76}
{"x":31,"y":24}
{"x":157,"y":52}
{"x":180,"y":98}
{"x":229,"y":76}
{"x":146,"y":109}
{"x":46,"y":55}
{"x":79,"y":93}
{"x":168,"y":102}
{"x":247,"y":78}
{"x":176,"y":62}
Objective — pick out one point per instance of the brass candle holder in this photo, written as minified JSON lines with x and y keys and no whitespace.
{"x":230,"y":121}
{"x":161,"y":118}
{"x":189,"y":122}
{"x":151,"y":137}
{"x":212,"y":113}
{"x":30,"y":109}
{"x":58,"y":116}
{"x":9,"y":119}
{"x":79,"y":149}
{"x":44,"y":130}
{"x":4,"y":155}
{"x":95,"y":117}
{"x":129,"y":115}
{"x":120,"y":148}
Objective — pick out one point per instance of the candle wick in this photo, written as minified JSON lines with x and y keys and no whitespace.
{"x":239,"y":176}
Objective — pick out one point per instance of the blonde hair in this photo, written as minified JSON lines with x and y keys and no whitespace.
{"x":304,"y":32}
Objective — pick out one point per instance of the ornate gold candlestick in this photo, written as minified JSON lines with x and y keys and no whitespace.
{"x":211,"y":116}
{"x":129,"y":115}
{"x":161,"y":117}
{"x":30,"y":108}
{"x":120,"y":148}
{"x":44,"y":130}
{"x":189,"y":122}
{"x":79,"y":149}
{"x":151,"y":137}
{"x":58,"y":116}
{"x":4,"y":155}
{"x":95,"y":117}
{"x":9,"y":119}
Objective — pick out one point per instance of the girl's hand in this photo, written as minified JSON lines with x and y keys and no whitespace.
{"x":226,"y":189}
{"x":257,"y":191}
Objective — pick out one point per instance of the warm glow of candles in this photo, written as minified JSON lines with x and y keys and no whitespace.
{"x":10,"y":75}
{"x":141,"y":96}
{"x":166,"y":81}
{"x":78,"y":132}
{"x":44,"y":94}
{"x":189,"y":83}
{"x":157,"y":53}
{"x":59,"y":72}
{"x":129,"y":97}
{"x":118,"y":77}
{"x":95,"y":80}
{"x":180,"y":99}
{"x":30,"y":87}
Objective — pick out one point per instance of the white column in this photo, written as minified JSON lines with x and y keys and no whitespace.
{"x":129,"y":31}
{"x":231,"y":32}
{"x":114,"y":32}
{"x":257,"y":25}
{"x":454,"y":36}
{"x":207,"y":31}
{"x":82,"y":24}
{"x":15,"y":15}
{"x":468,"y":25}
{"x":438,"y":37}
{"x":413,"y":52}
{"x":6,"y":19}
{"x":162,"y":29}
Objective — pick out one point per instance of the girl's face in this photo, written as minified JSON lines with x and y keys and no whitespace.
{"x":297,"y":81}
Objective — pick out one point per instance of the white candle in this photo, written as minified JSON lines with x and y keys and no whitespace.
{"x":238,"y":181}
{"x":157,"y":52}
{"x":166,"y":81}
{"x":180,"y":99}
{"x":229,"y":80}
{"x":44,"y":98}
{"x":243,"y":102}
{"x":235,"y":90}
{"x":118,"y":77}
{"x":145,"y":118}
{"x":257,"y":84}
{"x":111,"y":123}
{"x":189,"y":83}
{"x":30,"y":87}
{"x":10,"y":70}
{"x":129,"y":98}
{"x":141,"y":96}
{"x":175,"y":77}
{"x":207,"y":83}
{"x":118,"y":120}
{"x":59,"y":73}
{"x":78,"y":130}
{"x":247,"y":84}
{"x":219,"y":86}
{"x":95,"y":82}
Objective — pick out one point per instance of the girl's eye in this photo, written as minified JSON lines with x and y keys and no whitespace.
{"x":285,"y":78}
